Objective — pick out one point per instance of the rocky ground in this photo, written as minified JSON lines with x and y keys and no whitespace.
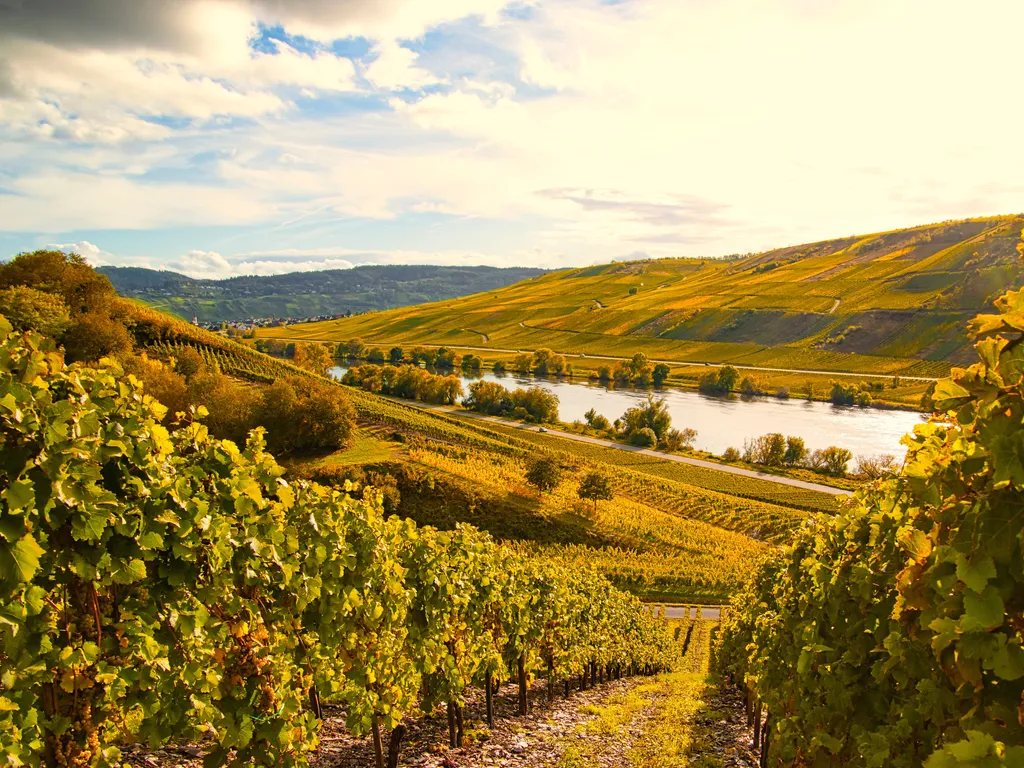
{"x":618,"y":723}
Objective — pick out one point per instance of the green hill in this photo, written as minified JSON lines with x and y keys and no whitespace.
{"x":893,"y":302}
{"x":306,"y":294}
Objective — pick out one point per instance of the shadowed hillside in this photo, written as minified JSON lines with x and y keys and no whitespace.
{"x":305,"y":294}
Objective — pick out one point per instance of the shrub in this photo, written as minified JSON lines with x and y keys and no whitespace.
{"x":305,"y":416}
{"x":730,"y":454}
{"x":30,"y":310}
{"x":645,"y":437}
{"x":749,"y":387}
{"x":782,"y":393}
{"x":498,"y":368}
{"x":720,"y":382}
{"x":680,"y":439}
{"x":316,"y":358}
{"x":396,"y":356}
{"x":874,"y":467}
{"x":653,"y":415}
{"x":94,"y":335}
{"x":835,"y":459}
{"x":375,"y":355}
{"x":660,"y":373}
{"x":768,"y":450}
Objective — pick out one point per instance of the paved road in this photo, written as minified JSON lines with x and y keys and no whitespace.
{"x":645,"y":451}
{"x":694,"y":363}
{"x":684,"y":612}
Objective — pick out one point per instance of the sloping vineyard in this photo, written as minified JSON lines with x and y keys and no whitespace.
{"x":158,"y":585}
{"x":893,"y":634}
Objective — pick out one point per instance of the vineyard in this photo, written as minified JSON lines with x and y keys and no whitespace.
{"x":890,"y":303}
{"x":176,"y":587}
{"x":893,"y":634}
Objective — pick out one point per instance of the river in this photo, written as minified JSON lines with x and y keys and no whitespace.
{"x":724,"y":422}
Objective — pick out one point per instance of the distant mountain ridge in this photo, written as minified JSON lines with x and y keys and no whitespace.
{"x":305,"y":294}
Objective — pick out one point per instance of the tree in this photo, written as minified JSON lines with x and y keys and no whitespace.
{"x":375,"y":356}
{"x":795,"y":451}
{"x":498,"y":368}
{"x":660,"y":373}
{"x":653,"y":414}
{"x":595,"y":486}
{"x":727,"y":376}
{"x":94,"y":335}
{"x":522,"y":364}
{"x":544,"y":473}
{"x":488,"y":397}
{"x":680,"y":439}
{"x":30,"y":310}
{"x":835,"y":459}
{"x":355,"y":348}
{"x":749,"y":387}
{"x":305,"y":416}
{"x":396,"y":355}
{"x":596,"y":420}
{"x":67,"y":275}
{"x":874,"y":467}
{"x":313,"y":357}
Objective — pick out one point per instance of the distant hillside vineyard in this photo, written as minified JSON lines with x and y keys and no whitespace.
{"x":307,"y":294}
{"x":892,"y":303}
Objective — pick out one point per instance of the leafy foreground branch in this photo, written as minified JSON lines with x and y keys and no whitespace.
{"x":159,"y":584}
{"x":893,"y":634}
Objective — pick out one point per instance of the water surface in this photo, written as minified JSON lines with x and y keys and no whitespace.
{"x":726,"y":422}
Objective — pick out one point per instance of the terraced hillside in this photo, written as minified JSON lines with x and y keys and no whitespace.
{"x":891,"y":303}
{"x":673,"y":533}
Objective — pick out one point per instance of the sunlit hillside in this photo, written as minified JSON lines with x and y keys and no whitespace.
{"x":894,"y":302}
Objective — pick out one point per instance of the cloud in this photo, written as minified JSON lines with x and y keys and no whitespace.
{"x":93,"y":254}
{"x":579,"y":129}
{"x":202,"y":264}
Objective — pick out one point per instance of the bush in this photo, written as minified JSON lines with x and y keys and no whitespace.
{"x":730,"y":454}
{"x":653,"y":415}
{"x":645,"y":437}
{"x":81,"y":288}
{"x":375,"y":355}
{"x":30,"y":310}
{"x":316,"y":358}
{"x":661,"y":373}
{"x":604,"y":374}
{"x":782,"y":393}
{"x":396,"y":356}
{"x":544,"y":473}
{"x":749,"y":387}
{"x":680,"y":439}
{"x":842,"y":394}
{"x":874,"y":467}
{"x":498,"y":368}
{"x":596,"y":420}
{"x":768,"y":450}
{"x":720,"y":382}
{"x":832,"y":460}
{"x":94,"y":335}
{"x":305,"y":416}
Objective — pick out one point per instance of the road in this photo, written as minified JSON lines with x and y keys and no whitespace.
{"x":685,"y":611}
{"x":645,"y":451}
{"x":694,"y":363}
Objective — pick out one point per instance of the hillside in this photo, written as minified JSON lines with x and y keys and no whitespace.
{"x":306,"y":294}
{"x":888,"y":303}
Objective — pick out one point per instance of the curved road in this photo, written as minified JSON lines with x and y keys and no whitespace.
{"x":645,"y":451}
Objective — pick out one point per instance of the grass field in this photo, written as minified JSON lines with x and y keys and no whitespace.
{"x":889,"y":303}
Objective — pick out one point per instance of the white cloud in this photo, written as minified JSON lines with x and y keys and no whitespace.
{"x":668,"y":127}
{"x":202,"y":264}
{"x":395,"y":68}
{"x":93,"y":254}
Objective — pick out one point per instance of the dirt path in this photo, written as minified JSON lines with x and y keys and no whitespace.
{"x":834,"y":307}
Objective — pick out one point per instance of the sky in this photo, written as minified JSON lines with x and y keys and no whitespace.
{"x":225,"y":137}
